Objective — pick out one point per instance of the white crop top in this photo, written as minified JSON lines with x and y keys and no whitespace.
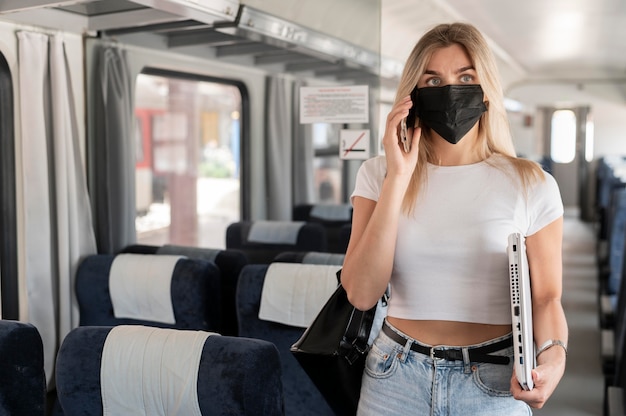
{"x":451,"y":262}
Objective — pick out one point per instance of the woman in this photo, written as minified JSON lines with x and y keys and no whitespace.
{"x":433,"y":222}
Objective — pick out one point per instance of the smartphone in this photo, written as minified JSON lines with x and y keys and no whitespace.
{"x":408,"y":121}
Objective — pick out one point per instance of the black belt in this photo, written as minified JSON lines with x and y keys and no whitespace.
{"x":477,"y":354}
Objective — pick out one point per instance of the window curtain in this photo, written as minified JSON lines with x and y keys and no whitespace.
{"x":112,"y":152}
{"x":278,"y":148}
{"x":303,"y":155}
{"x":9,"y":291}
{"x":57,"y":223}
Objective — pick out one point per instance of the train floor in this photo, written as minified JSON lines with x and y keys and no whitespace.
{"x":581,"y":390}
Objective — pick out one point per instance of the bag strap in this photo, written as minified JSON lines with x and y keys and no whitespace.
{"x":353,"y":344}
{"x":354,"y":341}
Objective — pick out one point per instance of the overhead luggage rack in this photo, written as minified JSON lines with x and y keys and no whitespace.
{"x":233,"y":30}
{"x":115,"y":14}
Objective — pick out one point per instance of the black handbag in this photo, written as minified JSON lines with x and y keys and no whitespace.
{"x":333,"y":349}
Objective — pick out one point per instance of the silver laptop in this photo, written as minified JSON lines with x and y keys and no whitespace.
{"x":521,"y":311}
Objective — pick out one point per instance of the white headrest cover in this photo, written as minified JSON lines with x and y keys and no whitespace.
{"x":148,"y":371}
{"x":275,"y":232}
{"x":140,"y":287}
{"x":294,"y":293}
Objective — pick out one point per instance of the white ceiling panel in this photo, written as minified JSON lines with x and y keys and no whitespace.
{"x":534,"y":39}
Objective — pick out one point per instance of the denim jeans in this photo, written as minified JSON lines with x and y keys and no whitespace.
{"x":399,"y":381}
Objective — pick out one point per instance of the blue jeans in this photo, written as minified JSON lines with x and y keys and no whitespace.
{"x":399,"y":381}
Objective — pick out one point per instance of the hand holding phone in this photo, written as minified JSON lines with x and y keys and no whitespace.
{"x":407,"y":122}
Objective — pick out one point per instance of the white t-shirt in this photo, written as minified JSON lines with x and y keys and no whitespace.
{"x":450,"y":261}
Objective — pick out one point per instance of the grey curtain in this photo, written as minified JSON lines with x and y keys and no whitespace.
{"x":112,"y":152}
{"x":303,"y":155}
{"x":57,"y":225}
{"x":278,"y":149}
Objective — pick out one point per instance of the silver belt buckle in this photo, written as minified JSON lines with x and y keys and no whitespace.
{"x":432,"y":353}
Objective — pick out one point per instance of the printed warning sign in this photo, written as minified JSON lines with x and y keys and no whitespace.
{"x":349,"y":104}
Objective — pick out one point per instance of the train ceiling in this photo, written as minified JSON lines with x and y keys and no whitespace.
{"x":230,"y":30}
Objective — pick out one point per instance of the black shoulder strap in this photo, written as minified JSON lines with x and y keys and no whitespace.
{"x":354,"y":342}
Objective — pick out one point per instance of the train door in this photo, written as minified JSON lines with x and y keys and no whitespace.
{"x":187,"y":168}
{"x":568,"y":144}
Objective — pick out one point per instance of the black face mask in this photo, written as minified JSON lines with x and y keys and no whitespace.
{"x":452,"y":110}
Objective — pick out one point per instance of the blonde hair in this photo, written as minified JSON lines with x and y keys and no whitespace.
{"x":494,"y":135}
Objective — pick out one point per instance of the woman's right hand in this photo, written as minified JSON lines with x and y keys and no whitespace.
{"x":399,"y":162}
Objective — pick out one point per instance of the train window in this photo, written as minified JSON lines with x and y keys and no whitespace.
{"x":563,"y":136}
{"x":188,"y":173}
{"x":327,"y":164}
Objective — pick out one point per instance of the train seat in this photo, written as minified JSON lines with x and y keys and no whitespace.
{"x":614,"y":401}
{"x":610,"y":177}
{"x":23,"y":385}
{"x":314,"y":285}
{"x":611,"y":287}
{"x":190,"y":299}
{"x":606,"y":180}
{"x":331,"y":216}
{"x":262,"y":241}
{"x":230,"y":263}
{"x":343,"y":236}
{"x":613,"y":339}
{"x":610,"y":280}
{"x":614,"y":361}
{"x":146,"y":370}
{"x":310,"y":257}
{"x":139,"y":249}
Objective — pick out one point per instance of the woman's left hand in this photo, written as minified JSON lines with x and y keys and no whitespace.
{"x":546,"y":377}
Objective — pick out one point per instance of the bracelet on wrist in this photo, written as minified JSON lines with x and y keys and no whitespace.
{"x":549,"y":344}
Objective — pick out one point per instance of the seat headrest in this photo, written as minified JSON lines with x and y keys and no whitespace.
{"x":275,"y":232}
{"x":140,"y":286}
{"x":294,"y":293}
{"x":207,"y":254}
{"x":328,"y":212}
{"x":235,"y":375}
{"x":151,"y":371}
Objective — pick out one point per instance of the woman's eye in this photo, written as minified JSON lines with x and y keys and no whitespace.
{"x":467,"y":78}
{"x":433,"y":82}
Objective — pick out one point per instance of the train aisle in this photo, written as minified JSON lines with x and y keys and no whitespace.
{"x":580,"y":392}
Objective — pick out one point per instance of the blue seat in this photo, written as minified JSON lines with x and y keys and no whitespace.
{"x":140,"y":249}
{"x":273,"y":238}
{"x":608,"y":178}
{"x":301,"y":396}
{"x":610,"y":278}
{"x":195,"y":294}
{"x":333,"y":217}
{"x":22,"y":378}
{"x":310,"y":257}
{"x":613,"y":354}
{"x":229,"y":262}
{"x":343,"y":236}
{"x":235,"y":376}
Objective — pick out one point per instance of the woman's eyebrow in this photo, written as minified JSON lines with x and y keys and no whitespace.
{"x":465,"y":68}
{"x":458,"y":71}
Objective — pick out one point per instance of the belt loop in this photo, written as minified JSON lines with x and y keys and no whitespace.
{"x":467,"y":368}
{"x":406,"y":350}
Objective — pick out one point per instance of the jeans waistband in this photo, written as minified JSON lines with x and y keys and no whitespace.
{"x":476,"y":354}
